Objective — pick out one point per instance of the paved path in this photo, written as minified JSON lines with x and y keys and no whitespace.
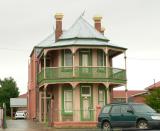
{"x":26,"y":125}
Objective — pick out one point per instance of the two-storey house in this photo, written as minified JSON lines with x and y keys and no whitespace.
{"x":71,"y":74}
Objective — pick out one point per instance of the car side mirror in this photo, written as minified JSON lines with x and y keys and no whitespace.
{"x":130,"y":111}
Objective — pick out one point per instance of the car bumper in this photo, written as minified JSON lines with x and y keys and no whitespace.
{"x":20,"y":117}
{"x":154,"y":124}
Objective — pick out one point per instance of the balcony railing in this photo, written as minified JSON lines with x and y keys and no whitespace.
{"x":81,"y":74}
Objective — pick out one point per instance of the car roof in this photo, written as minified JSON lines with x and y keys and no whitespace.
{"x":123,"y":103}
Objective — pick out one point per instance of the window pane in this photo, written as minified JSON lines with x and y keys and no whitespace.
{"x":124,"y":108}
{"x":67,"y":58}
{"x":100,"y":58}
{"x":68,"y":106}
{"x":101,"y":98}
{"x":68,"y":95}
{"x":68,"y":101}
{"x":115,"y":109}
{"x":85,"y":90}
{"x":106,"y":109}
{"x":101,"y":95}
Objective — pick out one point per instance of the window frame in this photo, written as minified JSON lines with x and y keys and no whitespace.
{"x":64,"y":111}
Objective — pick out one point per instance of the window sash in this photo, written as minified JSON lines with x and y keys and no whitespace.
{"x":101,"y":99}
{"x":101,"y":58}
{"x":67,"y":58}
{"x":68,"y":101}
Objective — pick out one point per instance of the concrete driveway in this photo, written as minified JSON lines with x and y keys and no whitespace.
{"x":26,"y":125}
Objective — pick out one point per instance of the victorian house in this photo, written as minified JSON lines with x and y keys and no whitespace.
{"x":71,"y":74}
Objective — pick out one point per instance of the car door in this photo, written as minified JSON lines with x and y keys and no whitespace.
{"x":128,"y":117}
{"x":115,"y":116}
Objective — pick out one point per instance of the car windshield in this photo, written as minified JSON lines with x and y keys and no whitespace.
{"x":142,"y":108}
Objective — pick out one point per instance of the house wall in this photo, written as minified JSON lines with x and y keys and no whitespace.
{"x":32,"y":86}
{"x":138,"y":99}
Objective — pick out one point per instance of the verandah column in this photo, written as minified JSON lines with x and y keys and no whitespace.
{"x":40,"y":106}
{"x":44,"y":61}
{"x":45,"y":103}
{"x":73,"y":62}
{"x":108,"y":92}
{"x":107,"y":62}
{"x":126,"y":90}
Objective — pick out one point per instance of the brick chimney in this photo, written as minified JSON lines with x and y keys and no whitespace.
{"x":97,"y":24}
{"x":58,"y":30}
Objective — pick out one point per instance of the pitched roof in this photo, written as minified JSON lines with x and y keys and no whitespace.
{"x":47,"y":42}
{"x":82,"y":29}
{"x":154,"y":86}
{"x":23,"y":95}
{"x":80,"y":33}
{"x":121,"y":93}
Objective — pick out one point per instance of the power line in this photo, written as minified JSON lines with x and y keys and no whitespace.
{"x":9,"y":49}
{"x":143,"y":59}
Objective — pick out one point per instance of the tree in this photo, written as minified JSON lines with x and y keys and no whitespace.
{"x":8,"y":90}
{"x":153,"y":99}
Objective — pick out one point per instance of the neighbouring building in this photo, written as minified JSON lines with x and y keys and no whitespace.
{"x":154,"y":86}
{"x":18,"y":104}
{"x":133,"y":96}
{"x":71,"y":74}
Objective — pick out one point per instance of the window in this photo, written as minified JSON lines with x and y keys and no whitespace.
{"x":68,"y":101}
{"x":124,"y":108}
{"x":101,"y":58}
{"x":86,"y":91}
{"x":106,"y":109}
{"x":115,"y":109}
{"x":67,"y":58}
{"x":101,"y":97}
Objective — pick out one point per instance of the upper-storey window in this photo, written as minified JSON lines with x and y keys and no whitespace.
{"x":101,"y":58}
{"x":66,"y":57}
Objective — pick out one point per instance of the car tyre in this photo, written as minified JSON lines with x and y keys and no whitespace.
{"x":142,"y":124}
{"x":106,"y":126}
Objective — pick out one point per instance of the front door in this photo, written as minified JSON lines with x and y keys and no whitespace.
{"x":86,"y":103}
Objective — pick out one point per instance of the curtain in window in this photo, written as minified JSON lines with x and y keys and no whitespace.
{"x":68,"y":100}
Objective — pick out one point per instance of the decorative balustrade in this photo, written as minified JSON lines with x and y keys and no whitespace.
{"x":81,"y":73}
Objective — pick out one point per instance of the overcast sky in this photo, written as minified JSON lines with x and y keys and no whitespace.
{"x":134,"y":24}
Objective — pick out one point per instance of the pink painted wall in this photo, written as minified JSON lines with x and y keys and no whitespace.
{"x":32,"y":86}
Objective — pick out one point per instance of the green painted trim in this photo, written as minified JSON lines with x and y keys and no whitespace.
{"x":91,"y":102}
{"x":64,"y":87}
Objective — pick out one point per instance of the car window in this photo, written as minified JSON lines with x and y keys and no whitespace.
{"x":115,"y":109}
{"x":106,"y":109}
{"x":142,"y":108}
{"x":124,"y":108}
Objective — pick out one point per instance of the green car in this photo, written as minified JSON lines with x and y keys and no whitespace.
{"x":127,"y":115}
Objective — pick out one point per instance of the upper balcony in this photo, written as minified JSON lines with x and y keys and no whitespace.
{"x":81,"y":74}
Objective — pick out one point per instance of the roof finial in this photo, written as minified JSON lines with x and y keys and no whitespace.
{"x":83,"y":12}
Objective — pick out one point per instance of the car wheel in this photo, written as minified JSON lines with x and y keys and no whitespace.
{"x":106,"y":126}
{"x":142,"y":124}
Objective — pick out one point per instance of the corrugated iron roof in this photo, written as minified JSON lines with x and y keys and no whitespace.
{"x":47,"y":42}
{"x":80,"y":33}
{"x":82,"y":29}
